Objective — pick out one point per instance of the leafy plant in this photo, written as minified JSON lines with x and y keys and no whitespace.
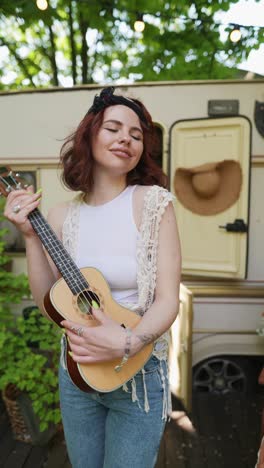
{"x":29,"y":353}
{"x":29,"y":345}
{"x":12,"y":287}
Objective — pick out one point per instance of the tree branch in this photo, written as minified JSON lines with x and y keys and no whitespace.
{"x":72,"y":44}
{"x":21,"y":62}
{"x":52,"y":57}
{"x":84,"y":49}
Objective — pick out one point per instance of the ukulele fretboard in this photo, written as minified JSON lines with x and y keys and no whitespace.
{"x":66,"y":266}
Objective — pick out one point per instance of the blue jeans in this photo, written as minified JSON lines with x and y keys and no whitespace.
{"x":109,"y":430}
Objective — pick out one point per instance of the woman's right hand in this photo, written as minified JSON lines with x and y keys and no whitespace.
{"x":18,"y":206}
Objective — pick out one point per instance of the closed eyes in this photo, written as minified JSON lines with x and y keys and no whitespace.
{"x":115,"y":130}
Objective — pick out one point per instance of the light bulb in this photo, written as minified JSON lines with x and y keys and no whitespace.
{"x":235,"y":34}
{"x":139,"y":24}
{"x":42,"y":4}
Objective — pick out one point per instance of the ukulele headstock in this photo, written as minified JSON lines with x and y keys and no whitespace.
{"x":10,"y":181}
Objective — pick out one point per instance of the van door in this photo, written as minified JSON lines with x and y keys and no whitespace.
{"x":213,"y":244}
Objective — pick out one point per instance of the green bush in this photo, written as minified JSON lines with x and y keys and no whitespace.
{"x":29,"y":354}
{"x":12,"y":287}
{"x":29,"y":346}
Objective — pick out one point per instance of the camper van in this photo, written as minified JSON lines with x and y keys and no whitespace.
{"x":209,"y":134}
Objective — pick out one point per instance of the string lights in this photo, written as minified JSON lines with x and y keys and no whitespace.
{"x":139,"y":24}
{"x":234,"y":36}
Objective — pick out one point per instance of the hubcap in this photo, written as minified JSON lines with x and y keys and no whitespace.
{"x":219,"y":376}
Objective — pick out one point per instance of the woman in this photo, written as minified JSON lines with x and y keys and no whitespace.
{"x":124,"y":225}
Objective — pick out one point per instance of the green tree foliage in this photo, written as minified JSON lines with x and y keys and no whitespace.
{"x":78,"y":42}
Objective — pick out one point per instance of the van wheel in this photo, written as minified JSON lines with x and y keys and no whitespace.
{"x":223,"y":375}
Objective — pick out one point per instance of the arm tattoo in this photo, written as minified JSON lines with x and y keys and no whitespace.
{"x":147,"y":338}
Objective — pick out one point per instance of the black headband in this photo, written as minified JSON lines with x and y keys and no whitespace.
{"x":106,"y":99}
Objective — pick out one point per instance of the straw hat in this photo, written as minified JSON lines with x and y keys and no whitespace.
{"x":210,"y":188}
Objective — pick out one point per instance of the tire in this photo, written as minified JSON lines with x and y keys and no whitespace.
{"x":225,"y":374}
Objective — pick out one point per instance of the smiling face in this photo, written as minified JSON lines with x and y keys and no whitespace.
{"x":118,"y":145}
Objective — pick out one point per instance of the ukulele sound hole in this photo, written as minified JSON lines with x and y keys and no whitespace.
{"x":86,"y":300}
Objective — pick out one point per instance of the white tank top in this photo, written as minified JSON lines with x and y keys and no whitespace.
{"x":107,"y":240}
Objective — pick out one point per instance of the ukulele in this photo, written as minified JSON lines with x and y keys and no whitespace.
{"x":72,"y":298}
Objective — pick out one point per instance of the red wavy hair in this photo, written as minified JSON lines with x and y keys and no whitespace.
{"x":77,"y":158}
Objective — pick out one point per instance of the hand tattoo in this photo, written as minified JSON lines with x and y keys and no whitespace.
{"x":147,"y":338}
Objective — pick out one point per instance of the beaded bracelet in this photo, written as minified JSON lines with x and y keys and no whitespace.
{"x":127,"y":350}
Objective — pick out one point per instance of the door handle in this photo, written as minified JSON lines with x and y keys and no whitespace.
{"x":238,"y":225}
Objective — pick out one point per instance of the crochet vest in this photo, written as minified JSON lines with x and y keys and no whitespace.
{"x":155,"y":201}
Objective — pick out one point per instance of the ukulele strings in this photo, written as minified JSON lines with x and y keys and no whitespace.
{"x":82,"y":294}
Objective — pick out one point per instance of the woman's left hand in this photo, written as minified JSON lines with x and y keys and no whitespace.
{"x":104,"y":342}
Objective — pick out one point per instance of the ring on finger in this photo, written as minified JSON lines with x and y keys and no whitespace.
{"x":80,"y":331}
{"x":16,"y":209}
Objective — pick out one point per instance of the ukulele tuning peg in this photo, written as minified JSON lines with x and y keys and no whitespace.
{"x":8,"y":189}
{"x":18,"y":187}
{"x":17,"y":174}
{"x":10,"y":173}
